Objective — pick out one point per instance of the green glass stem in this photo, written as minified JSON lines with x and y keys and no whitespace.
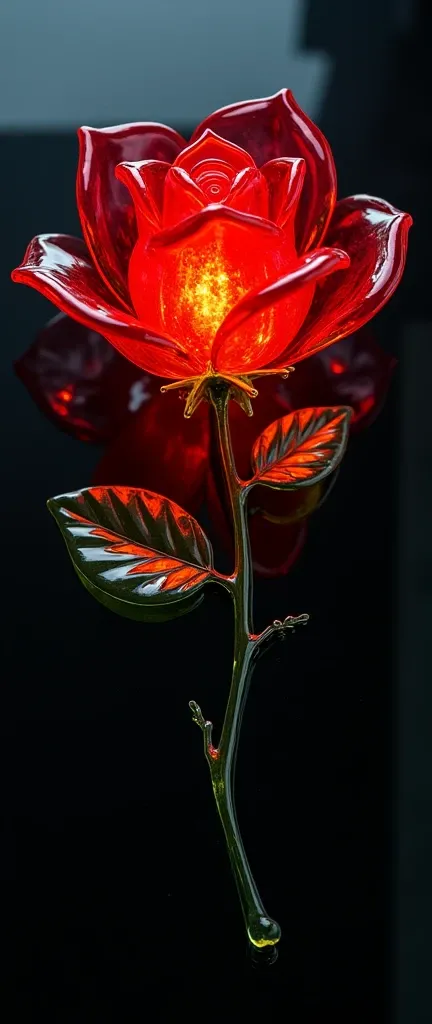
{"x":261,"y":929}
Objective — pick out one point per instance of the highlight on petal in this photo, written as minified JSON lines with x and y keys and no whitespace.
{"x":59,"y":267}
{"x":182,"y":232}
{"x":276,"y":127}
{"x":285,"y":179}
{"x":297,"y":286}
{"x":208,"y":146}
{"x":81,"y":382}
{"x":105,"y":209}
{"x":375,"y":235}
{"x":145,"y":180}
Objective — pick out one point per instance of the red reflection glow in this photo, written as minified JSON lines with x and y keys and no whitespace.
{"x":337,"y":366}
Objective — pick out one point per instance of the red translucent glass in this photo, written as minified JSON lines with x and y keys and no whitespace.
{"x":105,"y":209}
{"x":161,"y":450}
{"x":355,"y":372}
{"x":206,"y":253}
{"x":375,"y":235}
{"x":81,"y":382}
{"x":276,"y":127}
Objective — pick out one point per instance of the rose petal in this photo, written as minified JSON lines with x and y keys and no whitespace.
{"x":81,"y":382}
{"x":355,"y":371}
{"x":182,"y":232}
{"x":207,"y":145}
{"x":277,"y":127}
{"x":182,"y":197}
{"x":249,"y":193}
{"x":187,"y":278}
{"x":161,"y":450}
{"x":60,"y":268}
{"x":285,"y":179}
{"x":296,"y":286}
{"x":374,"y":234}
{"x":106,"y":212}
{"x":145,"y":180}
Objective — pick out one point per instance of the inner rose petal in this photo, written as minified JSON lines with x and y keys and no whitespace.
{"x":214,"y":178}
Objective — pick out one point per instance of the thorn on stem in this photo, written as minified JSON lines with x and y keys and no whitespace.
{"x":291,"y":621}
{"x":206,"y":728}
{"x":279,"y":628}
{"x":197,"y":715}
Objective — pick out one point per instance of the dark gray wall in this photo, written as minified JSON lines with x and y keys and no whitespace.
{"x":63,"y":64}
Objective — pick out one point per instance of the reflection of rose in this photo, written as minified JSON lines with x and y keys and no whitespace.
{"x":218,"y":265}
{"x":210,"y":258}
{"x":90,"y":391}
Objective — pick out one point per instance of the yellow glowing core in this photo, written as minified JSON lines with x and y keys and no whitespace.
{"x":209,"y":287}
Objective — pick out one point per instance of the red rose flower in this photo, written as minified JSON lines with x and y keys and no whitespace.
{"x":217,"y":265}
{"x":204,"y":258}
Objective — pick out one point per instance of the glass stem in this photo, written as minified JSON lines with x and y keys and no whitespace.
{"x":262,"y":930}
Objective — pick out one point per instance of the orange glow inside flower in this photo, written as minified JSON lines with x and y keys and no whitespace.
{"x":205,"y":280}
{"x":187,"y":291}
{"x":208,"y":289}
{"x":210,"y":280}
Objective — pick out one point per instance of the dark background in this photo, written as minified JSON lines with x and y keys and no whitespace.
{"x":122,"y":901}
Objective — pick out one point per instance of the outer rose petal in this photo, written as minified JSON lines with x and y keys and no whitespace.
{"x":59,"y":267}
{"x":297,"y":286}
{"x":188,"y":277}
{"x":276,"y":127}
{"x":161,"y":450}
{"x":374,"y":233}
{"x":106,"y":212}
{"x":81,"y":382}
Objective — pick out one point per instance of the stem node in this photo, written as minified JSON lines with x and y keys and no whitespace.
{"x":207,"y":730}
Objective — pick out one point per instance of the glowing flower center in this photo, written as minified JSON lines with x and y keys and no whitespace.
{"x":210,"y":288}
